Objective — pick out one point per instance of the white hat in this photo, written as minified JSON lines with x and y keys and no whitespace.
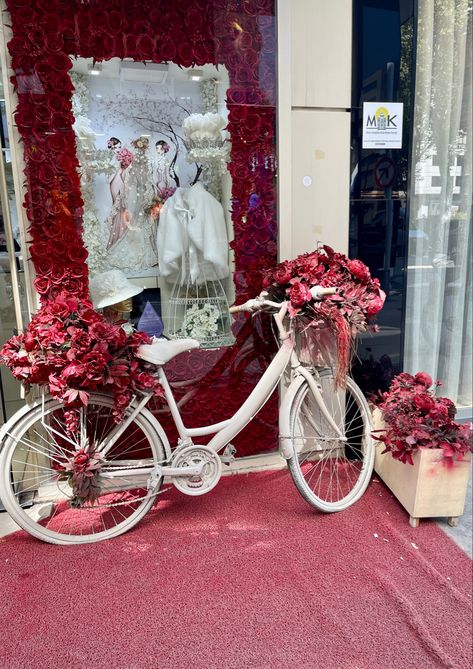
{"x":110,"y":287}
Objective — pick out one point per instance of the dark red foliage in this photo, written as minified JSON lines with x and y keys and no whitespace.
{"x":415,"y":419}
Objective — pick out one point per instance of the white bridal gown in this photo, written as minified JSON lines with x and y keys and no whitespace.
{"x":192,"y":234}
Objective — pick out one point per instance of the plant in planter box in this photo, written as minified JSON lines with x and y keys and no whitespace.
{"x":414,"y":418}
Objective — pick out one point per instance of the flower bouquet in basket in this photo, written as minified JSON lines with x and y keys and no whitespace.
{"x":72,"y":350}
{"x":414,"y":418}
{"x":338,"y":317}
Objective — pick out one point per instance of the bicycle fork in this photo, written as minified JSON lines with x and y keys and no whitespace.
{"x":286,"y":442}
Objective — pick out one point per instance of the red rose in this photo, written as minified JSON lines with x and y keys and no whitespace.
{"x":90,"y":316}
{"x":46,"y":174}
{"x":75,"y":286}
{"x":450,"y":406}
{"x":44,"y":267}
{"x":57,"y":142}
{"x":359,"y":270}
{"x":42,"y":70}
{"x":18,"y":46}
{"x":57,"y":103}
{"x":49,"y":6}
{"x":77,"y":253}
{"x":54,"y":42}
{"x":53,"y":23}
{"x":59,"y":62}
{"x":423,"y":402}
{"x":185,"y":54}
{"x":41,"y":285}
{"x":62,"y":120}
{"x":423,"y":379}
{"x":61,"y":82}
{"x":25,"y":16}
{"x":282,"y":273}
{"x":116,"y":21}
{"x":244,"y":40}
{"x":40,"y":251}
{"x":25,"y":117}
{"x":375,"y":303}
{"x":299,"y":293}
{"x":167,"y":50}
{"x":145,"y":47}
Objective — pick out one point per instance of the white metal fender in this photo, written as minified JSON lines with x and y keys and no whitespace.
{"x":286,"y":447}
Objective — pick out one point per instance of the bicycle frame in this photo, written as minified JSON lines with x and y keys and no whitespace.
{"x":226,"y":430}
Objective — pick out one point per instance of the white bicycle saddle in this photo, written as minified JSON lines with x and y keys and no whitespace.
{"x":163,"y":350}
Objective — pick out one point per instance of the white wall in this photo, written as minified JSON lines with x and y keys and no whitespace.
{"x":314,"y":123}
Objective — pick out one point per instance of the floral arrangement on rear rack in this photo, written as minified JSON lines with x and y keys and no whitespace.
{"x":346,"y":313}
{"x":72,"y":350}
{"x":415,"y":418}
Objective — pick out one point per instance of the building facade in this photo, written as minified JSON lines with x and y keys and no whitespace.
{"x":297,"y":83}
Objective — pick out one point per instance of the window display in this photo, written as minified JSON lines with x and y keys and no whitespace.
{"x":153,"y":165}
{"x":118,"y":83}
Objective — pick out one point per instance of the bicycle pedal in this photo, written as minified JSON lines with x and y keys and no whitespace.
{"x":228,"y":454}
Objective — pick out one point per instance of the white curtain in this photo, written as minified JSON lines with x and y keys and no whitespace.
{"x":438,"y":336}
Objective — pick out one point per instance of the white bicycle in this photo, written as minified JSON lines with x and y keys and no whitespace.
{"x":324,"y":436}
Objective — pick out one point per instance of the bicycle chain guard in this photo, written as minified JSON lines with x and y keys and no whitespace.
{"x":192,"y":456}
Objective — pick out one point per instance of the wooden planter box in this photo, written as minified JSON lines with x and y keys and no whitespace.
{"x":427,"y":489}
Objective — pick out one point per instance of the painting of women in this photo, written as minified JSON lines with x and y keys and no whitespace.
{"x":119,"y":219}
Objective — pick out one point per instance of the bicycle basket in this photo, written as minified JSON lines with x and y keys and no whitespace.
{"x":316,"y":343}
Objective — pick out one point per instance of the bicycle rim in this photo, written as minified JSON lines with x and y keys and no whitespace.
{"x":331,"y":473}
{"x":39,"y":498}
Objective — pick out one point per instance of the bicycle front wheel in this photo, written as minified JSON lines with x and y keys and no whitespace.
{"x":36,"y":488}
{"x":330,"y":472}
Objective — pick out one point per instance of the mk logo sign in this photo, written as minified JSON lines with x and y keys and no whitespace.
{"x":381,"y":122}
{"x":382,"y":125}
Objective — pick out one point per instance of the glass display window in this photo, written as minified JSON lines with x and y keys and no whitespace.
{"x":123,"y":112}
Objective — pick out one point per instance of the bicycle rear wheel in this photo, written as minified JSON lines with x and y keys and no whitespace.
{"x":41,"y":499}
{"x":331,"y":473}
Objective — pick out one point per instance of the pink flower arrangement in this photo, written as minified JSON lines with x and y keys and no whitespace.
{"x":415,"y":419}
{"x":72,"y":350}
{"x":358,"y":297}
{"x":125,"y":157}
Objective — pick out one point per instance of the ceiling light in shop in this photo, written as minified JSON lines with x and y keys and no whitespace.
{"x":95,"y":69}
{"x":154,"y":73}
{"x":195,"y":75}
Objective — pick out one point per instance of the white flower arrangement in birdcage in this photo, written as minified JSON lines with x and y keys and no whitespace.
{"x":201,"y":321}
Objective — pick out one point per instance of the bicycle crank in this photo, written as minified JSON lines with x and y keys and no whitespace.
{"x":206,"y":461}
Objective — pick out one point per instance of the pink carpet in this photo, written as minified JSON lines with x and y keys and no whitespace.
{"x":246,"y":577}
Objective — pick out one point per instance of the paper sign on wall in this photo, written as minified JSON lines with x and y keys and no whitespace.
{"x":382,"y":125}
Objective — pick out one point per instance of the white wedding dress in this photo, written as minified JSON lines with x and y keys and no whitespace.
{"x":192,"y":235}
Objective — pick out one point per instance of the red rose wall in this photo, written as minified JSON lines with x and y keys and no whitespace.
{"x":238,"y":34}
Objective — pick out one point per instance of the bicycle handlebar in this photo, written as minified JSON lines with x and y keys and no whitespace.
{"x":259,"y":302}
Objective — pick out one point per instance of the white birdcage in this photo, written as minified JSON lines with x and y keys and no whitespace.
{"x":199,"y":309}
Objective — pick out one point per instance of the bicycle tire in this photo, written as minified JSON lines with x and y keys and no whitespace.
{"x":40,"y":503}
{"x":329,"y":474}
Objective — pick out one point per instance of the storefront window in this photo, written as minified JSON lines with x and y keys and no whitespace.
{"x":438,"y":334}
{"x":147,"y":130}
